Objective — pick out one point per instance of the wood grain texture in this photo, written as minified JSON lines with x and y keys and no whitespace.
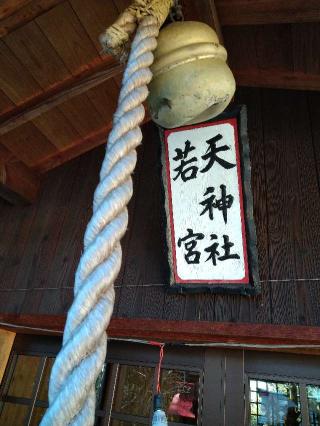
{"x":283,"y":134}
{"x":96,"y":17}
{"x":37,"y":55}
{"x":57,"y":128}
{"x":18,"y":182}
{"x":274,"y":78}
{"x":28,"y":144}
{"x":69,"y":38}
{"x":182,"y":331}
{"x":239,"y":12}
{"x":67,"y":90}
{"x":5,"y":103}
{"x":72,"y":151}
{"x":16,"y":88}
{"x":80,"y":111}
{"x":23,"y":12}
{"x":306,"y":41}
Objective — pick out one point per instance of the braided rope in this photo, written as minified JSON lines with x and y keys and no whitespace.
{"x":77,"y":366}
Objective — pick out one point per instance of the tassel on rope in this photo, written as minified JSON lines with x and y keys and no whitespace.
{"x":83,"y":352}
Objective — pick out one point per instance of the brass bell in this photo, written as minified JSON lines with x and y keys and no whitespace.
{"x":191,"y":79}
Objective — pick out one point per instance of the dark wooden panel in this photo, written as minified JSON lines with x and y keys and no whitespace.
{"x":146,"y":262}
{"x":34,"y":269}
{"x":283,"y":131}
{"x":213,"y":385}
{"x":241,"y":12}
{"x":240,"y":45}
{"x":234,"y":386}
{"x":293,"y":229}
{"x":306,"y":41}
{"x":273,"y":46}
{"x":70,"y":243}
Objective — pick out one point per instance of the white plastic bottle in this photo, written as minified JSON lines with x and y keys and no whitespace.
{"x":159,"y":416}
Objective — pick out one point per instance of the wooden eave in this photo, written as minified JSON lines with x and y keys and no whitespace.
{"x":58,"y":92}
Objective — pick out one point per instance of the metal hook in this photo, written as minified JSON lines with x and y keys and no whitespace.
{"x":176,"y":13}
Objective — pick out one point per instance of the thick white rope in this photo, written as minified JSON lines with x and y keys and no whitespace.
{"x":77,"y":366}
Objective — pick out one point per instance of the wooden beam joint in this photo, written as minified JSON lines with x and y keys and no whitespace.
{"x":17,"y":182}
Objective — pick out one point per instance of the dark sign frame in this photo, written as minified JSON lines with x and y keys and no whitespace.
{"x":253,"y":287}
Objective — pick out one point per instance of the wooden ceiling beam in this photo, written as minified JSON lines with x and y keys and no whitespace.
{"x":15,"y":13}
{"x":33,"y":110}
{"x":260,"y":12}
{"x":17,"y":182}
{"x":84,"y":145}
{"x":277,"y":79}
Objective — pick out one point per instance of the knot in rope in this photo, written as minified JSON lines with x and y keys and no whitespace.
{"x":115,"y":39}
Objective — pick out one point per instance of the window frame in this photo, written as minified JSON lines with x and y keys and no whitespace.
{"x":28,"y":345}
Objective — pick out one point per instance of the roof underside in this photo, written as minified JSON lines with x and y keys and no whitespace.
{"x":58,"y":92}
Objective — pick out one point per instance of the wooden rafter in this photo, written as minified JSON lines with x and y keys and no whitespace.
{"x":14,"y":14}
{"x":259,"y":12}
{"x":17,"y":182}
{"x":75,"y":88}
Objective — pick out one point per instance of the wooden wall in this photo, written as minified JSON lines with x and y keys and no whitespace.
{"x":41,"y":243}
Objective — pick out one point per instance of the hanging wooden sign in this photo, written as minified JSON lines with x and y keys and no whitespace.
{"x":210,"y":229}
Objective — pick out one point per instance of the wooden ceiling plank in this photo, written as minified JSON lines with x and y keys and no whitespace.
{"x":73,"y":151}
{"x":95,"y":16}
{"x":16,"y":82}
{"x":66,"y":33}
{"x":17,"y":181}
{"x":77,"y":88}
{"x":104,"y":97}
{"x":26,"y":11}
{"x":82,"y":114}
{"x":36,"y":53}
{"x":28,"y":144}
{"x":260,"y":12}
{"x":55,"y":126}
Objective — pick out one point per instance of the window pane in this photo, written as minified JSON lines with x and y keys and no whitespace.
{"x":13,"y":414}
{"x":43,"y":390}
{"x":24,"y":376}
{"x":134,"y":390}
{"x":180,"y":390}
{"x":38,"y":413}
{"x":314,"y":404}
{"x":277,"y":404}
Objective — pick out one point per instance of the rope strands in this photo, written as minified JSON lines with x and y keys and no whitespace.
{"x":77,"y":366}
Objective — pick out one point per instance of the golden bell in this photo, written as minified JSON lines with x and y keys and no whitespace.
{"x":191,"y":79}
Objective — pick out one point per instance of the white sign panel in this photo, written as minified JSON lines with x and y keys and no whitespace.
{"x":205,"y":203}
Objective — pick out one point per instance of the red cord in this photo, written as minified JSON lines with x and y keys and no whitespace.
{"x":161,"y":345}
